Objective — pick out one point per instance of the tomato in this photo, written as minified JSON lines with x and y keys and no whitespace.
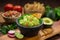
{"x":17,"y":8}
{"x":8,"y":7}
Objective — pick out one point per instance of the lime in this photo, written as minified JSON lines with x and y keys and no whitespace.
{"x":19,"y":35}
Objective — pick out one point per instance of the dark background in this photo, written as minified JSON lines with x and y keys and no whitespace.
{"x":52,"y":3}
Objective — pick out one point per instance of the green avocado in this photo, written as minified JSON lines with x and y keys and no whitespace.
{"x":47,"y":21}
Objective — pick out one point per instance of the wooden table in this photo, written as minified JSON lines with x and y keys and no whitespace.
{"x":55,"y":27}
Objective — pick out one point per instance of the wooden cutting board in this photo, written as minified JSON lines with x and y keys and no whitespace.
{"x":55,"y":27}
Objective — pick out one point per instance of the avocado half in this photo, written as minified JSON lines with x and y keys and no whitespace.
{"x":47,"y":21}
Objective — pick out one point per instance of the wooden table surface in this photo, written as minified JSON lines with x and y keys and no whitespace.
{"x":55,"y":27}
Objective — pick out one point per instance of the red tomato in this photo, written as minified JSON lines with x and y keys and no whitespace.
{"x":8,"y":7}
{"x":17,"y":8}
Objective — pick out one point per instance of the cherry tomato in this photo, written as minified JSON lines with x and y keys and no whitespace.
{"x":8,"y":7}
{"x":17,"y":8}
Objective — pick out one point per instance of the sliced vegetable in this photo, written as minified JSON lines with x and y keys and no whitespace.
{"x":47,"y":21}
{"x":11,"y":32}
{"x":18,"y":35}
{"x":12,"y":36}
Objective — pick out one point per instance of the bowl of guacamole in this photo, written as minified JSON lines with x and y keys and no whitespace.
{"x":29,"y":25}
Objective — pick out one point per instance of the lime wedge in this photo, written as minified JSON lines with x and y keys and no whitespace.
{"x":18,"y":35}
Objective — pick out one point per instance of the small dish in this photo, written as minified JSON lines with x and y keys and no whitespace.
{"x":11,"y":19}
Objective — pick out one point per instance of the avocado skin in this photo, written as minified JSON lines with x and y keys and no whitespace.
{"x":46,"y":26}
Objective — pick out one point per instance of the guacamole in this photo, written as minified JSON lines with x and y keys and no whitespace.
{"x":28,"y":20}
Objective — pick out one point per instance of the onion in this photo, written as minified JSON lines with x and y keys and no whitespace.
{"x":11,"y":36}
{"x":11,"y":32}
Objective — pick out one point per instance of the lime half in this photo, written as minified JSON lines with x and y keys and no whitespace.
{"x":18,"y":35}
